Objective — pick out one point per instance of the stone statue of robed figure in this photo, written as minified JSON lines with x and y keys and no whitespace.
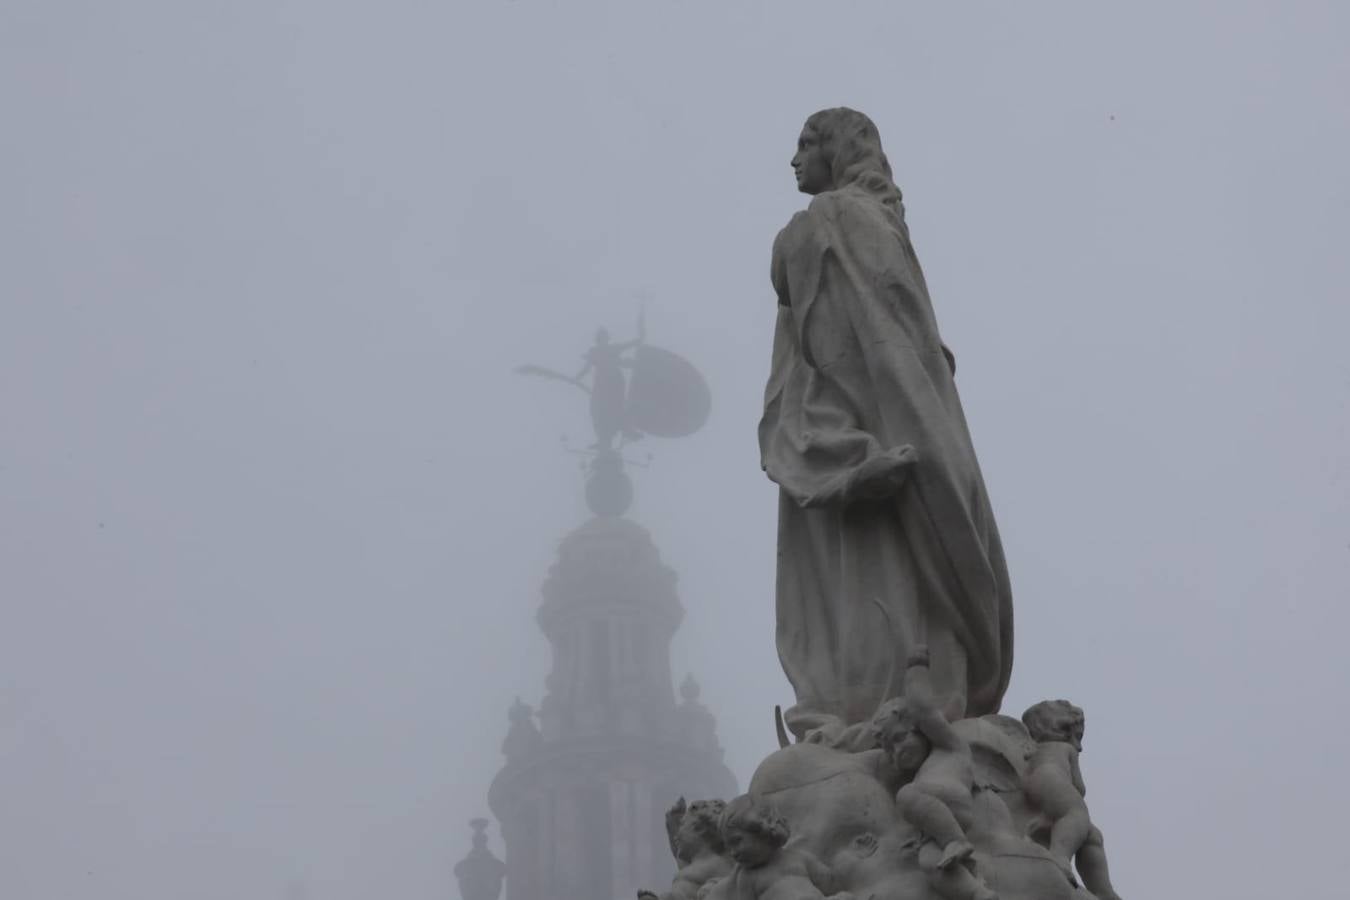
{"x":894,"y":613}
{"x":886,"y":539}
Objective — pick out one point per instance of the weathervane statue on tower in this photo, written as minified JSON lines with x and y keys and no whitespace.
{"x":648,"y":391}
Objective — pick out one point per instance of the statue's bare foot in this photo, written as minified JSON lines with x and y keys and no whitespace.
{"x":955,"y":852}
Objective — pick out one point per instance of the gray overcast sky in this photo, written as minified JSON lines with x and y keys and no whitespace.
{"x":274,"y":511}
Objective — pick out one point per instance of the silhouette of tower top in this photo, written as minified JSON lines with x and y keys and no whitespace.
{"x":583,"y":794}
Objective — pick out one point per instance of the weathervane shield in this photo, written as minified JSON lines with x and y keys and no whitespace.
{"x":667,"y":396}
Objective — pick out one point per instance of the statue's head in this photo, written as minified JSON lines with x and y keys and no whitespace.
{"x":839,"y":147}
{"x":601,"y":336}
{"x":1055,"y":720}
{"x":752,"y":831}
{"x":700,"y":828}
{"x":898,"y":735}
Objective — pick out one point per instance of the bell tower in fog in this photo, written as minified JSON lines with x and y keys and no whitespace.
{"x":582,"y":796}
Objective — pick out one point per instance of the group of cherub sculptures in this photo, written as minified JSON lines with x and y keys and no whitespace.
{"x":904,"y":782}
{"x":976,"y":809}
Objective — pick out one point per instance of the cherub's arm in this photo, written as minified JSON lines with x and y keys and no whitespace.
{"x":919,"y":696}
{"x":1076,"y":774}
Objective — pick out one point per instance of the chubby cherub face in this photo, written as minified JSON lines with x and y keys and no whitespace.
{"x":691,"y":838}
{"x":908,"y":751}
{"x":688,"y":842}
{"x":749,"y":846}
{"x":894,"y":729}
{"x":1076,"y":733}
{"x":698,"y":831}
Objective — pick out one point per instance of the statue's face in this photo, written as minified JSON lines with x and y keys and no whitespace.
{"x":810,"y":164}
{"x":749,"y":848}
{"x":1073,"y":732}
{"x":910,"y":751}
{"x":689,"y":838}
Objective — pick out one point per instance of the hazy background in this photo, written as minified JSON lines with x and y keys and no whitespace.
{"x":274,"y":511}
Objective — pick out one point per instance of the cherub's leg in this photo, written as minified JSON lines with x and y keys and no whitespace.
{"x":1092,"y":866}
{"x":1068,"y":833}
{"x":956,"y":883}
{"x":932,"y":817}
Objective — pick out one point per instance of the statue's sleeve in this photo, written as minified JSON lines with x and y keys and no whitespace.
{"x":813,"y":442}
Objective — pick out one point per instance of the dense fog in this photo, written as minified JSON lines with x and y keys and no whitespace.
{"x":275,"y":508}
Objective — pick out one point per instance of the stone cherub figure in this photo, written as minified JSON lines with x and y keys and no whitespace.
{"x":696,"y":840}
{"x":936,"y":769}
{"x":765,"y":869}
{"x":1054,"y":787}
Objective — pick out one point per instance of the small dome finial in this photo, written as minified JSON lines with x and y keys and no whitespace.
{"x":480,"y":874}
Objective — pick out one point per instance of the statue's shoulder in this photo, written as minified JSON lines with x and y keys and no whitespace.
{"x":825,"y":205}
{"x":819,"y":225}
{"x":827,"y":214}
{"x":795,"y":234}
{"x":823,"y":210}
{"x":796,"y":224}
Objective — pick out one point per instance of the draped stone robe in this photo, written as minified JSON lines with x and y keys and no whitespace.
{"x":859,"y":376}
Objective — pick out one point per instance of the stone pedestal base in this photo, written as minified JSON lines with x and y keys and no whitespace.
{"x":846,"y":835}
